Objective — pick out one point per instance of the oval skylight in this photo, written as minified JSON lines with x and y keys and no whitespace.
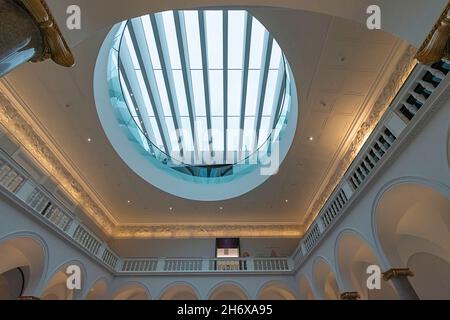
{"x":205,"y":87}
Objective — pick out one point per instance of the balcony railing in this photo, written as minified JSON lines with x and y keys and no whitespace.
{"x":205,"y":265}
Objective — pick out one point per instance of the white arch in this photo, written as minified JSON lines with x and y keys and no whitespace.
{"x":180,"y":290}
{"x":132,"y":290}
{"x":276,"y":290}
{"x":25,"y":249}
{"x":353,"y":254}
{"x":228,"y":290}
{"x":411,"y":219}
{"x":56,"y":283}
{"x":325,"y":280}
{"x":98,"y":290}
{"x":305,"y":289}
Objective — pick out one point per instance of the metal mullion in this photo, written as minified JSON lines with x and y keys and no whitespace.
{"x":187,"y":78}
{"x":163,"y":52}
{"x":225,"y":82}
{"x":247,"y":42}
{"x":280,"y":89}
{"x":202,"y":26}
{"x":267,"y":51}
{"x":152,"y":90}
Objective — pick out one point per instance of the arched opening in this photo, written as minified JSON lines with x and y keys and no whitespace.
{"x":276,"y":291}
{"x":325,"y":281}
{"x":12,"y":283}
{"x":228,"y":291}
{"x":306,"y":292}
{"x":179,"y":291}
{"x":57,"y":287}
{"x":413,"y":228}
{"x":353,"y":256}
{"x":22,"y":265}
{"x":132,"y":291}
{"x":98,"y":290}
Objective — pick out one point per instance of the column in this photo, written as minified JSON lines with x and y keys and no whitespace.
{"x":350,"y":296}
{"x":400,"y":281}
{"x":29,"y":33}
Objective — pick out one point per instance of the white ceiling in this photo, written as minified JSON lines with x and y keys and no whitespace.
{"x":336,"y":64}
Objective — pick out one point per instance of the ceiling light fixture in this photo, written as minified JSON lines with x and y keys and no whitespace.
{"x":89,"y":140}
{"x":310,"y":138}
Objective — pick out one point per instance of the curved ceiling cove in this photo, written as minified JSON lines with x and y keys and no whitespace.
{"x":206,"y":96}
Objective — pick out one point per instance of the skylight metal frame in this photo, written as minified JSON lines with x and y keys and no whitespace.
{"x":145,"y":54}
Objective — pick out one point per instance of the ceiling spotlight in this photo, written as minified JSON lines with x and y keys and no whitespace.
{"x":310,"y":138}
{"x":220,"y":208}
{"x":286,"y":200}
{"x":89,"y":140}
{"x":170,"y":208}
{"x":129,"y":201}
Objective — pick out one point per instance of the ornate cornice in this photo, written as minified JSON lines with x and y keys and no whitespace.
{"x":18,"y":128}
{"x":55,"y":47}
{"x":400,"y":75}
{"x":209,"y":230}
{"x":397,"y":273}
{"x":436,"y":45}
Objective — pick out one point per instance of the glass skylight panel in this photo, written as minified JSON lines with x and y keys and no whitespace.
{"x":138,"y":96}
{"x":234,"y":92}
{"x":275,"y":59}
{"x":186,"y":133}
{"x":181,"y":93}
{"x":214,"y":38}
{"x":144,"y":94}
{"x":131,"y":49}
{"x":217,"y":133}
{"x":264,"y":131}
{"x":198,"y":90}
{"x":252,"y":92}
{"x":171,"y":38}
{"x":193,"y":39}
{"x":128,"y":100}
{"x":163,"y":93}
{"x":216,"y":92}
{"x":236,"y":36}
{"x":159,"y":142}
{"x":151,"y":42}
{"x":257,"y":44}
{"x":202,"y":132}
{"x":233,"y":133}
{"x":248,"y":136}
{"x":269,"y":99}
{"x":173,"y":134}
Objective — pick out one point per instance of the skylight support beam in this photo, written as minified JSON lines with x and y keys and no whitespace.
{"x":225,"y":83}
{"x":151,"y":87}
{"x":201,"y":20}
{"x":245,"y":67}
{"x":163,"y":52}
{"x":187,"y":78}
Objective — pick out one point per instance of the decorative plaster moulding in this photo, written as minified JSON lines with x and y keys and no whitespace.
{"x":21,"y":126}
